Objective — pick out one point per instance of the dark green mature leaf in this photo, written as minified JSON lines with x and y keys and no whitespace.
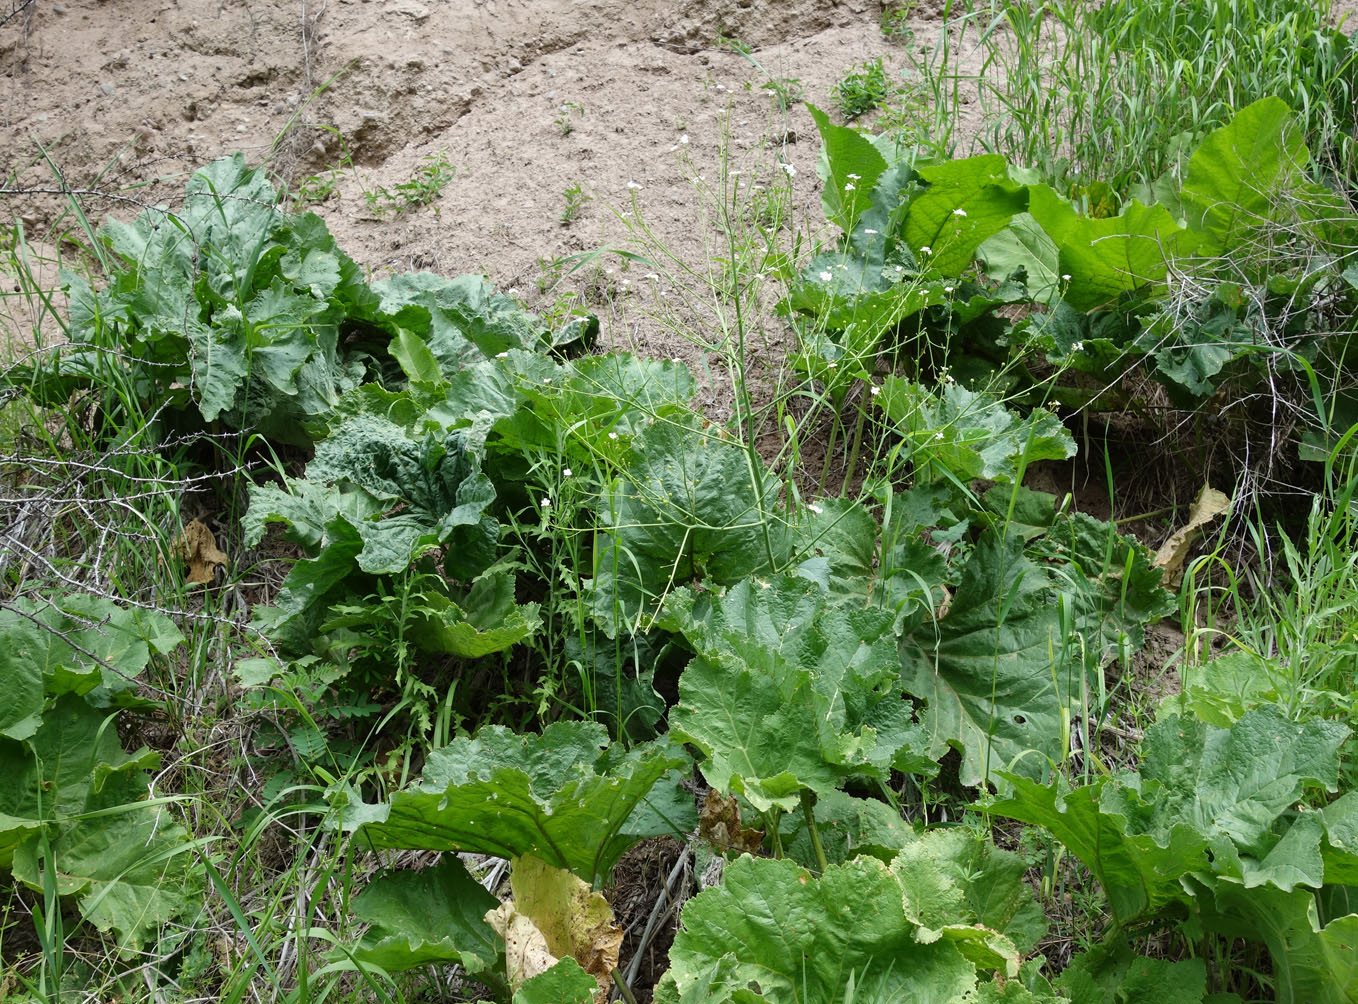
{"x":796,"y":938}
{"x":1115,"y":975}
{"x":1311,"y":964}
{"x":563,"y":796}
{"x":985,"y":669}
{"x":432,"y":917}
{"x":1199,"y":788}
{"x":128,"y":863}
{"x":1109,"y":581}
{"x":969,"y":435}
{"x":788,"y":690}
{"x":689,"y":505}
{"x":435,"y":482}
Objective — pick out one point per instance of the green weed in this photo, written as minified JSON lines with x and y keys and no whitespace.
{"x":422,"y":189}
{"x":861,"y":90}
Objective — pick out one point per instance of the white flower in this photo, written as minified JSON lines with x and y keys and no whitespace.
{"x":566,"y":473}
{"x":612,"y":435}
{"x":683,"y":140}
{"x":848,"y":186}
{"x":852,"y":177}
{"x":815,"y":508}
{"x":959,"y":211}
{"x":938,"y":437}
{"x":502,"y":355}
{"x":652,"y":276}
{"x":1077,"y":346}
{"x":788,"y":169}
{"x":633,"y":186}
{"x":869,"y":230}
{"x":676,"y":360}
{"x":832,"y":365}
{"x":926,"y":250}
{"x":874,"y":390}
{"x":947,"y":289}
{"x":1065,"y":277}
{"x":546,"y":379}
{"x":826,"y":276}
{"x":546,"y":503}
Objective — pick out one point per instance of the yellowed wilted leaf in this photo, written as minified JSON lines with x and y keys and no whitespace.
{"x":575,"y":920}
{"x":1209,"y":505}
{"x":526,"y":951}
{"x":197,"y":547}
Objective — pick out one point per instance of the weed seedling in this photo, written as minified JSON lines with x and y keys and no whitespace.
{"x":564,"y":123}
{"x":576,"y":198}
{"x":423,"y":188}
{"x":859,"y":92}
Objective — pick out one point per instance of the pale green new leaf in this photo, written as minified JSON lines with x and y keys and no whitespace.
{"x":968,"y":435}
{"x":431,"y":917}
{"x":564,"y":983}
{"x":966,"y":202}
{"x":797,"y":939}
{"x":789,"y":690}
{"x":486,"y":620}
{"x":1234,"y":179}
{"x":563,"y":796}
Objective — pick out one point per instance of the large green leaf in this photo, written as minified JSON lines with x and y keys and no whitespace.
{"x":1199,"y":788}
{"x":1311,"y":964}
{"x":966,"y":202}
{"x":690,"y":504}
{"x":796,"y":938}
{"x":851,"y":167}
{"x":564,"y":983}
{"x":968,"y":435}
{"x":1107,"y":257}
{"x":788,"y":690}
{"x":128,"y":863}
{"x":1233,"y":181}
{"x":986,"y":668}
{"x":564,"y":796}
{"x":486,"y":620}
{"x":432,"y":917}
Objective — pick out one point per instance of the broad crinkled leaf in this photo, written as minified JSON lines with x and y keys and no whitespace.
{"x":435,"y":483}
{"x":687,"y":506}
{"x":486,"y":620}
{"x":1112,"y":974}
{"x":788,"y":690}
{"x":460,"y":319}
{"x":430,"y":917}
{"x":969,"y":435}
{"x":985,"y":669}
{"x":1199,"y":788}
{"x":797,"y":939}
{"x":559,"y":796}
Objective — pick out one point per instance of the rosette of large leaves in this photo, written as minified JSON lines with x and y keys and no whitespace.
{"x":72,"y":805}
{"x":373,"y":501}
{"x":788,"y":691}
